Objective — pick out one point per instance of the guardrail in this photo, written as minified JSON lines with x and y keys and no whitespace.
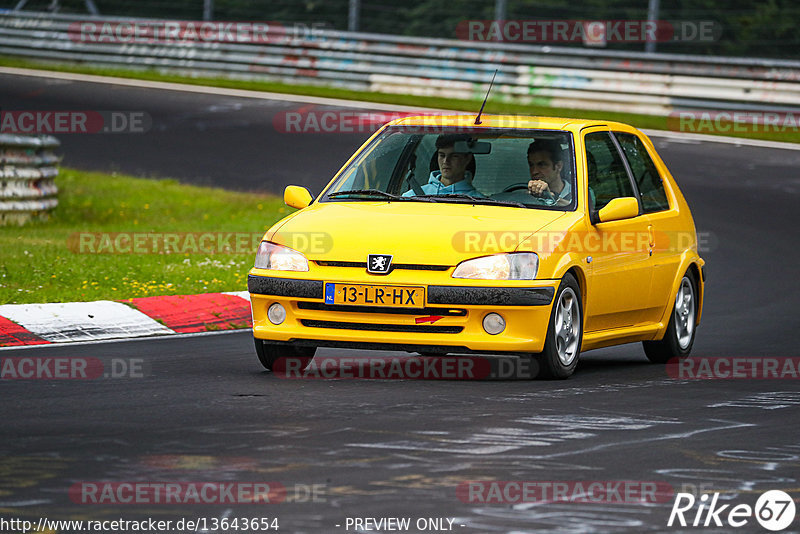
{"x":553,"y":76}
{"x":28,"y":168}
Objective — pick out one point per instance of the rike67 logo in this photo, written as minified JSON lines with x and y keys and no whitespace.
{"x":774,"y":510}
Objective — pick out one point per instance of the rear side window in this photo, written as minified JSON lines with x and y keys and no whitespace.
{"x":648,"y":180}
{"x":607,"y":176}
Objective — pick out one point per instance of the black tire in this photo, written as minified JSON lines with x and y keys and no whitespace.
{"x":269,"y":353}
{"x":561,"y":351}
{"x":676,"y":343}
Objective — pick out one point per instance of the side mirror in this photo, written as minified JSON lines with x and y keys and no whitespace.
{"x":296,"y":196}
{"x":618,"y":209}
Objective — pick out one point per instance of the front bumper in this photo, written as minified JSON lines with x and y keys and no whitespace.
{"x":451,"y":320}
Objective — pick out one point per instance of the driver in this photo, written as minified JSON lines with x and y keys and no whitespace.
{"x":453,"y":176}
{"x":545,"y":162}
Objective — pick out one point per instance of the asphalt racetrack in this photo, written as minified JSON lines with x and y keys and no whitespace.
{"x":200,"y":409}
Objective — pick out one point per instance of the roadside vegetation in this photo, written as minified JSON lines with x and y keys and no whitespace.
{"x":98,"y":244}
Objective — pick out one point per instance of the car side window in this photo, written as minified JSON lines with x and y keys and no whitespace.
{"x":607,"y":176}
{"x":645,"y":172}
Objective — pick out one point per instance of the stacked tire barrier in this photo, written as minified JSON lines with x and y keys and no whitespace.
{"x":552,"y":76}
{"x":28,"y":168}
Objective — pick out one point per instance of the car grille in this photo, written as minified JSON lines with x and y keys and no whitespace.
{"x":394,"y":266}
{"x":430,"y":329}
{"x":444,"y":312}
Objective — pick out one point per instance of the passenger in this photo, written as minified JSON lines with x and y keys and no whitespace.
{"x":545,"y":162}
{"x":454,"y":175}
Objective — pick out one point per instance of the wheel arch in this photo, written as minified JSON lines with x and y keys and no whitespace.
{"x":580,"y":276}
{"x":696,"y":272}
{"x":693,"y":265}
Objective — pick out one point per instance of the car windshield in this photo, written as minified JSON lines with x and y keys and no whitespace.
{"x":508,"y":167}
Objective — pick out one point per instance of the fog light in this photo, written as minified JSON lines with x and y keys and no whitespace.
{"x":493,"y":323}
{"x":276,"y":313}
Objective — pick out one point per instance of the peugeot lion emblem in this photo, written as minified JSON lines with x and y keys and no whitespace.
{"x":379,"y":263}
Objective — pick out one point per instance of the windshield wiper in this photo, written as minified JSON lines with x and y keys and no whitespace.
{"x":450,"y":197}
{"x":465,"y":198}
{"x":373,"y":193}
{"x":365,"y":192}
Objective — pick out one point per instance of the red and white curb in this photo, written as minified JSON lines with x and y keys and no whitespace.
{"x":37,"y":324}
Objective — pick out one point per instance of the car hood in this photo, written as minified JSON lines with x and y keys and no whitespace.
{"x":412,"y":232}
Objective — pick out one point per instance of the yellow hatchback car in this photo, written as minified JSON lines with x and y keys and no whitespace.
{"x":528,"y":236}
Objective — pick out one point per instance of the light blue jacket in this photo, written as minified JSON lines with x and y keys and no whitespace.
{"x":436,"y":187}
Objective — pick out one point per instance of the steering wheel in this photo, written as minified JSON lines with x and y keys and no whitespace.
{"x":515,"y":187}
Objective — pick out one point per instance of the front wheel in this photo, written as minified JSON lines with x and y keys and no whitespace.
{"x":679,"y":338}
{"x":269,"y":353}
{"x":564,"y":332}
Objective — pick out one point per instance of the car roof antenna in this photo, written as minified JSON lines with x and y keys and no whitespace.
{"x":478,"y":118}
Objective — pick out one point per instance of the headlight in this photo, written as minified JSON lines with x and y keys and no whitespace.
{"x":519,"y":266}
{"x":279,"y":258}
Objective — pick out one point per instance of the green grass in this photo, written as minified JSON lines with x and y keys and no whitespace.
{"x":43,"y":261}
{"x":495,"y":104}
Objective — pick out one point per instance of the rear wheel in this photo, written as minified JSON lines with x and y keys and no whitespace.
{"x":269,"y":353}
{"x":564,"y":332}
{"x":679,"y":338}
